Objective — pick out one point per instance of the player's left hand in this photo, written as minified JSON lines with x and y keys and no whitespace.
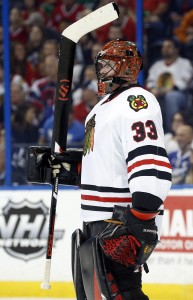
{"x":130,"y":243}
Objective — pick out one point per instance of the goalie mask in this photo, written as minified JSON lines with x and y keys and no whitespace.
{"x":117,"y":63}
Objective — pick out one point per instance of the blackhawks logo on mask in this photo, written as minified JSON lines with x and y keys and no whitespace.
{"x":89,"y":136}
{"x":137,"y":102}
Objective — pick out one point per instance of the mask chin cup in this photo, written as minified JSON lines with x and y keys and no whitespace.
{"x":107,"y":87}
{"x":118,"y":80}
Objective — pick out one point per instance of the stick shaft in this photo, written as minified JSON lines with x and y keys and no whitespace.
{"x":52,"y":218}
{"x":46,"y":280}
{"x":62,"y":95}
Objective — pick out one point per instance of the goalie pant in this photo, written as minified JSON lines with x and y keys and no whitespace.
{"x":95,"y":276}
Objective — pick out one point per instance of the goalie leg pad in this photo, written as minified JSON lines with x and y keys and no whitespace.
{"x":98,"y":280}
{"x":77,"y":240}
{"x":88,"y":269}
{"x":107,"y":282}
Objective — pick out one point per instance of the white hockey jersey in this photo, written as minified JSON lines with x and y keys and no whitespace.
{"x":124,"y":157}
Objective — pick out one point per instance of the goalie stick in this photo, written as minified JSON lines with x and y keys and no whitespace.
{"x":68,"y":41}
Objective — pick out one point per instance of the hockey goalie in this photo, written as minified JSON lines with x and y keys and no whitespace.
{"x":125,"y":178}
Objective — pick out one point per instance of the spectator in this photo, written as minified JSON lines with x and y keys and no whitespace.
{"x":1,"y":112}
{"x":24,"y":124}
{"x":169,"y":84}
{"x":95,"y":49}
{"x":188,"y":47}
{"x":180,"y":159}
{"x":45,"y":134}
{"x":67,"y":10}
{"x":127,"y":21}
{"x":46,"y":8}
{"x":29,"y":7}
{"x":21,"y":66}
{"x":115,"y":32}
{"x":181,"y":6}
{"x":2,"y":162}
{"x":18,"y":93}
{"x":1,"y":43}
{"x":78,"y":69}
{"x":88,"y":3}
{"x":88,"y":100}
{"x":84,"y":50}
{"x":17,"y":29}
{"x":35,"y":42}
{"x":43,"y":90}
{"x":2,"y":137}
{"x":36,"y":18}
{"x":84,"y":75}
{"x":101,"y":34}
{"x":170,"y":138}
{"x":189,"y":176}
{"x":75,"y":134}
{"x":184,"y":33}
{"x":63,"y":25}
{"x":87,"y":80}
{"x":49,"y":47}
{"x":1,"y":79}
{"x":181,"y":30}
{"x":157,"y":27}
{"x":89,"y":77}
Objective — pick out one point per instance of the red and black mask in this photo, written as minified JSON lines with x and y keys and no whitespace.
{"x":118,"y":62}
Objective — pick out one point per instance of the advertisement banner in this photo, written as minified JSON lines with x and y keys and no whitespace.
{"x":177,"y":232}
{"x":24,"y":220}
{"x":172,"y":261}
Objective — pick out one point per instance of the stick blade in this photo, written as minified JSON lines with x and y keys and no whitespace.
{"x":98,"y":18}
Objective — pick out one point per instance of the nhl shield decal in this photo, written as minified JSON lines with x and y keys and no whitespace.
{"x":89,"y":136}
{"x":137,"y":102}
{"x":24,"y":229}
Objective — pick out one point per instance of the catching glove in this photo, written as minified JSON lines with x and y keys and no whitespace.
{"x":128,"y":239}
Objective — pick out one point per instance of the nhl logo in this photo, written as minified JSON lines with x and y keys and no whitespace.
{"x":24,"y":229}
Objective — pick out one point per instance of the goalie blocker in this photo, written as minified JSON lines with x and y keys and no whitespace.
{"x":41,"y":166}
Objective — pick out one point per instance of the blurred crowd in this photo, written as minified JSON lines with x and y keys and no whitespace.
{"x":35,"y":28}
